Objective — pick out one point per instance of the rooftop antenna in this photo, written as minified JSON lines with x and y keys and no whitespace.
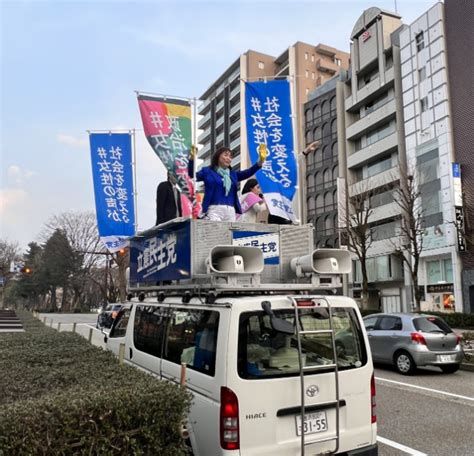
{"x":396,"y":9}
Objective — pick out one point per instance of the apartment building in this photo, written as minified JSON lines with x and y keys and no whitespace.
{"x":373,"y":145}
{"x":430,"y":156}
{"x":459,"y":29}
{"x":223,"y":103}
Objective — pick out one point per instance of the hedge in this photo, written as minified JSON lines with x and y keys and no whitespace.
{"x":62,"y":396}
{"x":457,"y":320}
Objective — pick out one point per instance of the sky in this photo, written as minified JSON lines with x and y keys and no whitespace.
{"x":72,"y":66}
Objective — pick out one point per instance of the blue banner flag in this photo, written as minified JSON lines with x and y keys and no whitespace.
{"x":268,"y":119}
{"x":111,"y":157}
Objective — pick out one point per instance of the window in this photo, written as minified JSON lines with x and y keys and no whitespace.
{"x":431,"y":325}
{"x":390,"y":324}
{"x":380,"y":199}
{"x":422,"y":74}
{"x":337,"y":61}
{"x":310,"y":202}
{"x":424,"y":104}
{"x":335,"y":172}
{"x":148,"y":329}
{"x":310,"y":181}
{"x":428,"y":170}
{"x":370,"y":322}
{"x":261,"y":65}
{"x":334,"y":127}
{"x":420,"y":41}
{"x":327,"y":153}
{"x":439,"y":271}
{"x":312,"y":57}
{"x":318,"y":155}
{"x":317,"y":111}
{"x":380,"y":133}
{"x":325,"y":108}
{"x":319,"y":202}
{"x":334,"y":150}
{"x":306,"y":73}
{"x":367,"y":78}
{"x":120,"y":326}
{"x":313,"y":75}
{"x":332,"y":103}
{"x":306,"y":56}
{"x":309,"y":136}
{"x":327,"y":178}
{"x":379,"y":166}
{"x":317,"y":133}
{"x":375,"y":104}
{"x":384,"y":231}
{"x":306,"y":91}
{"x":265,"y":353}
{"x":192,"y":339}
{"x":328,"y":225}
{"x":308,"y":116}
{"x":328,"y":202}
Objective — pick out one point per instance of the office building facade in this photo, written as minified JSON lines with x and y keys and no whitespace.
{"x":431,"y":155}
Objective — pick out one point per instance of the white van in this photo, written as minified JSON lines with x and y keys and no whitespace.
{"x":243,"y":369}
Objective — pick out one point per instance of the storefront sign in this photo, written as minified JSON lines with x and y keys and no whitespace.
{"x":459,"y":220}
{"x":366,"y":35}
{"x":457,"y":188}
{"x":440,"y":288}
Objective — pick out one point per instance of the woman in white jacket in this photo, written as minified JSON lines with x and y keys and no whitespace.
{"x":251,"y":202}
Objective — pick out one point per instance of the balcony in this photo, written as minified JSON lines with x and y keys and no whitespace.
{"x":326,"y":50}
{"x":371,"y":152}
{"x":235,"y":127}
{"x":204,"y":136}
{"x":384,"y":212}
{"x":327,"y":66}
{"x":204,"y":121}
{"x":220,"y":122}
{"x":220,"y":106}
{"x":204,"y":152}
{"x":235,"y":92}
{"x":235,"y":143}
{"x":235,"y":109}
{"x":371,"y":90}
{"x":379,"y":180}
{"x":205,"y":105}
{"x":372,"y":119}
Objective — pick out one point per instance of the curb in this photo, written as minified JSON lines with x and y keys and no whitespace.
{"x":467,"y":367}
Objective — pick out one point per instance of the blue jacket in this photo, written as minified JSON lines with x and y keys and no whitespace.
{"x":211,"y":179}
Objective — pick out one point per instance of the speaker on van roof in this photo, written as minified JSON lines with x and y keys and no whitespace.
{"x":323,"y":261}
{"x":230,"y":259}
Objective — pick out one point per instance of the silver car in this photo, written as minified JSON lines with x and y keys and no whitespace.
{"x":411,"y":340}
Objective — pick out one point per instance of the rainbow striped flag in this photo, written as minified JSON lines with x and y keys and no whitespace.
{"x":167,"y":125}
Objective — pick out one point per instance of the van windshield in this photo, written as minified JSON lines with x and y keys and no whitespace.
{"x":265,"y":353}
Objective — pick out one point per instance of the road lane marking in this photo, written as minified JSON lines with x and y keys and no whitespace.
{"x":400,"y":447}
{"x":467,"y":398}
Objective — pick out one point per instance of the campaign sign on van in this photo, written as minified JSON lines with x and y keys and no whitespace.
{"x":162,"y":255}
{"x":268,"y":243}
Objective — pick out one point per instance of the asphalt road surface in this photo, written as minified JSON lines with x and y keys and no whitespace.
{"x":430,"y":413}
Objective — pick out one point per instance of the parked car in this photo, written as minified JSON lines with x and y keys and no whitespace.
{"x":107,"y":316}
{"x":409,"y":341}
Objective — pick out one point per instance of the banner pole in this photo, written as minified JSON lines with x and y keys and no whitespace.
{"x":134,"y":166}
{"x":194,"y":142}
{"x":295,"y":147}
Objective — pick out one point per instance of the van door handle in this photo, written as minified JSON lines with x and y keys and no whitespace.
{"x":130,"y":352}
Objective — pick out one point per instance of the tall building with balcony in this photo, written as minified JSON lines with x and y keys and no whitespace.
{"x":430,"y":155}
{"x":222,"y":109}
{"x":373,"y":147}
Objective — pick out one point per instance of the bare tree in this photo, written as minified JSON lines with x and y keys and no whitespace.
{"x":409,"y":244}
{"x":359,"y":234}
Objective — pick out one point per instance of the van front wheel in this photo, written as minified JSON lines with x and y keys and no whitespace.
{"x":404,"y":363}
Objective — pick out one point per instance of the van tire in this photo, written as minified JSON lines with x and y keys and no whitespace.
{"x":450,"y":368}
{"x":404,"y":363}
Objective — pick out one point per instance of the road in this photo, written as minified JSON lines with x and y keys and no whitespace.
{"x":430,"y":413}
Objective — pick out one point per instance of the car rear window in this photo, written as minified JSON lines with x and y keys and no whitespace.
{"x":265,"y":353}
{"x":431,"y":325}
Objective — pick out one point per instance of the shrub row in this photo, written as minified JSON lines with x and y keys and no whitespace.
{"x":62,"y":396}
{"x":455,"y":320}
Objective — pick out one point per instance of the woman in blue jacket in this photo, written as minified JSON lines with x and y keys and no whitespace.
{"x":220,"y":183}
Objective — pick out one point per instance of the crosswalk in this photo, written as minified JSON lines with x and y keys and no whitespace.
{"x":9,"y":322}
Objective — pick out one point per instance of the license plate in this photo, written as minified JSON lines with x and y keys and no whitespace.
{"x":446,"y":358}
{"x":313,"y":423}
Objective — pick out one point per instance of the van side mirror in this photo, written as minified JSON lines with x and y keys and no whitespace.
{"x":278,"y":324}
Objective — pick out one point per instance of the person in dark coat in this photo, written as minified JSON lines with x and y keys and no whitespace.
{"x":168,"y":201}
